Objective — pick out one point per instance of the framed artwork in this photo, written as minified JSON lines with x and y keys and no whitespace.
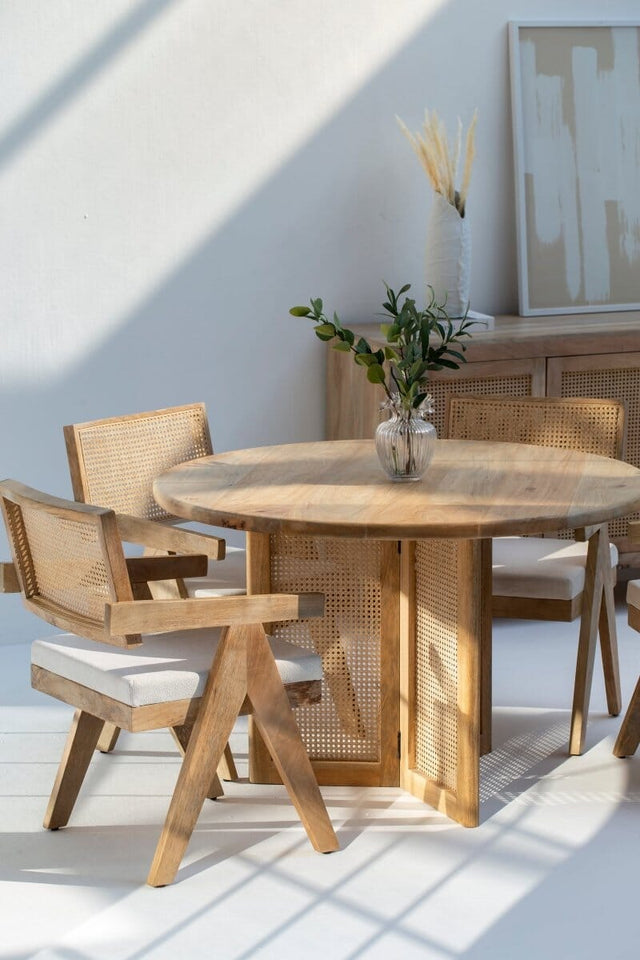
{"x":575,"y":93}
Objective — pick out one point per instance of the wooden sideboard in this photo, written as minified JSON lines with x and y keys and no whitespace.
{"x":579,"y":355}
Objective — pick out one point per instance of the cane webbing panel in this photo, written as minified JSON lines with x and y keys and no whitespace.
{"x":345,"y":725}
{"x":61,"y":560}
{"x":621,"y":384}
{"x":587,"y":425}
{"x":122,"y":457}
{"x":516,"y":385}
{"x":436,"y":664}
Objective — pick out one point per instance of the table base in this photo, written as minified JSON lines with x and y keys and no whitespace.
{"x":405,"y":644}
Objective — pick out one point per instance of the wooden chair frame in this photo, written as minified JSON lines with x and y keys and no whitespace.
{"x":496,"y":419}
{"x":629,"y":735}
{"x":243,"y":678}
{"x":111,"y":438}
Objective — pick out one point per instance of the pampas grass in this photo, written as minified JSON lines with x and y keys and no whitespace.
{"x":439,"y":161}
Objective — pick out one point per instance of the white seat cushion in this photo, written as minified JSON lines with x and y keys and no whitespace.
{"x":169,"y":666}
{"x":633,"y":593}
{"x":225,"y":578}
{"x":540,"y":567}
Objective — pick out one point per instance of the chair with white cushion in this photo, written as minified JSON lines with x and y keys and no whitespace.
{"x":629,"y":736}
{"x":113,"y":463}
{"x":189,"y":664}
{"x":552,"y":578}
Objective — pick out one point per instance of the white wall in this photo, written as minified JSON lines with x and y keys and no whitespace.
{"x":174,"y":174}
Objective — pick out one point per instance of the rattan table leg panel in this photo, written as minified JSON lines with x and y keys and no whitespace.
{"x":444,"y":623}
{"x":351,"y":735}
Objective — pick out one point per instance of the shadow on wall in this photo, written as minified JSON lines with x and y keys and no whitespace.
{"x":345,"y":212}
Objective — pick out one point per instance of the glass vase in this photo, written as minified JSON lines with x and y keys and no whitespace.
{"x":405,"y":443}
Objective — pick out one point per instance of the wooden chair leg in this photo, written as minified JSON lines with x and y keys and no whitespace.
{"x":282,"y":736}
{"x":609,"y":644}
{"x":227,"y":767}
{"x":81,"y":743}
{"x":181,"y":735}
{"x":219,"y":707}
{"x":595,"y":566}
{"x":108,"y":738}
{"x":629,"y":736}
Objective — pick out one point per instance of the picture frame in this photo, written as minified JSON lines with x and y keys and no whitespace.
{"x":575,"y":94}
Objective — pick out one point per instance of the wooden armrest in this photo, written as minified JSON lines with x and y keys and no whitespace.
{"x":633,"y":531}
{"x":162,"y":616}
{"x":144,"y":569}
{"x":163,"y":537}
{"x":9,"y":582}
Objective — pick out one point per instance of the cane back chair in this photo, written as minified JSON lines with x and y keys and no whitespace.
{"x":113,"y":463}
{"x":553,"y":578}
{"x":180,"y":673}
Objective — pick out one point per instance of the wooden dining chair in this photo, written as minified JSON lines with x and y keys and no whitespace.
{"x":113,"y":463}
{"x":551,"y":577}
{"x":629,"y":736}
{"x":190,"y":664}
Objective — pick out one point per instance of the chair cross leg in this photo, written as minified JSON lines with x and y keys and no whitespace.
{"x":629,"y":736}
{"x":597,"y":574}
{"x":182,"y":735}
{"x":108,"y":738}
{"x":81,"y":743}
{"x":281,"y":734}
{"x":609,"y":645}
{"x":219,"y":707}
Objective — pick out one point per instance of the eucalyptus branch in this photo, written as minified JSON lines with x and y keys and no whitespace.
{"x":417,"y":341}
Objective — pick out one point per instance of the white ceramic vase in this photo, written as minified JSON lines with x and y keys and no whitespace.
{"x":448,"y":259}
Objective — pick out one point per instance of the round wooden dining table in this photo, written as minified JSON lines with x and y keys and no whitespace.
{"x":406,"y":572}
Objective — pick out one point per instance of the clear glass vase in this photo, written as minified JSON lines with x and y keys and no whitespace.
{"x":405,"y":443}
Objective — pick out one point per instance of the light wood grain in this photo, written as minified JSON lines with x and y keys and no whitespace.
{"x":597,"y":558}
{"x":9,"y":582}
{"x":390,"y":664}
{"x":80,"y":746}
{"x":163,"y":536}
{"x":282,"y":737}
{"x":589,"y":355}
{"x":164,"y":616}
{"x":563,"y":335}
{"x":71,"y":559}
{"x":470,"y":644}
{"x":181,"y":736}
{"x":243,"y":665}
{"x":108,"y":738}
{"x":629,"y":736}
{"x":471,"y":490}
{"x":143,"y":569}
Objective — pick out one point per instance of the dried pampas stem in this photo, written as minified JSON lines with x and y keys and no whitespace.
{"x":439,"y":162}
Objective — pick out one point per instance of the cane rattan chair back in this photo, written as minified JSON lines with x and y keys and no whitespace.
{"x":73,"y":573}
{"x":59,"y":557}
{"x":585,"y":424}
{"x":114,"y":462}
{"x":552,"y":578}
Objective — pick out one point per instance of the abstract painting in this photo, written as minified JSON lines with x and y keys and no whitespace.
{"x":575,"y":91}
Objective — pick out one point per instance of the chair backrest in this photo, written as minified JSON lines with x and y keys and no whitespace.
{"x":114,"y":462}
{"x":575,"y":423}
{"x":69,"y":560}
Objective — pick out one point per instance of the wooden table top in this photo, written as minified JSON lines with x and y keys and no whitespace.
{"x":472,"y":489}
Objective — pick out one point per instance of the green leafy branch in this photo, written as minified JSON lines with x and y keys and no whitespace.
{"x":417,"y":341}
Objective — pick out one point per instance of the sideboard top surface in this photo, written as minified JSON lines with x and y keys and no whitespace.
{"x":550,"y":336}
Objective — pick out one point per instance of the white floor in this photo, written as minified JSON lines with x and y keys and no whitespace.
{"x":549,"y":874}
